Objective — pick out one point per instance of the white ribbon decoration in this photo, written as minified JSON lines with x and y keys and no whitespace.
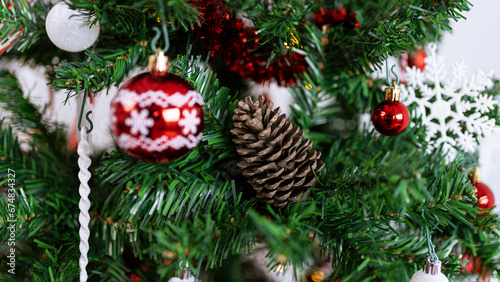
{"x":84,"y":175}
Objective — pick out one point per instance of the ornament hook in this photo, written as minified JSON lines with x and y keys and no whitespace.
{"x":86,"y":116}
{"x":388,"y":74}
{"x":158,"y":32}
{"x":155,"y":38}
{"x":394,"y":73}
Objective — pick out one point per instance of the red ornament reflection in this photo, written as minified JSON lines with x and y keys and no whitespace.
{"x":171,"y":115}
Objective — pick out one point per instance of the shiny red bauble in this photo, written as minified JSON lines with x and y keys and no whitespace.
{"x":390,"y":117}
{"x":485,"y":196}
{"x":157,"y":118}
{"x":417,"y":59}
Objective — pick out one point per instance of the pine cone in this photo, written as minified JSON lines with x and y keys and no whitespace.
{"x":279,"y":165}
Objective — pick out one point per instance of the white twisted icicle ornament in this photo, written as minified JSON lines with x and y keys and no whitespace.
{"x":84,"y":175}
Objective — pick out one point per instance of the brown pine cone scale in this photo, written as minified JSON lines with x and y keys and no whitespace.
{"x":277,"y":162}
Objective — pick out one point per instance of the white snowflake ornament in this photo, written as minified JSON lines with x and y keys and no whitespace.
{"x":452,"y":106}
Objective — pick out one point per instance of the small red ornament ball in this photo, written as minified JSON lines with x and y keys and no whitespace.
{"x":485,"y":196}
{"x":390,"y":117}
{"x":157,"y":119}
{"x":417,"y":59}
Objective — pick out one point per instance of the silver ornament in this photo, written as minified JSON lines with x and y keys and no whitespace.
{"x":430,"y":273}
{"x":186,"y":275}
{"x":69,"y":29}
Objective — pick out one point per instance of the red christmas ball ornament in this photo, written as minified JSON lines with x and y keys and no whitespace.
{"x":485,"y":196}
{"x":135,"y":278}
{"x":339,"y":17}
{"x":417,"y":59}
{"x":157,"y":116}
{"x":391,"y":117}
{"x":473,"y":266}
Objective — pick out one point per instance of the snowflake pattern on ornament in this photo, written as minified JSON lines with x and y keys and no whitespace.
{"x":190,"y":122}
{"x":451,"y":105}
{"x":129,"y":99}
{"x":160,"y":144}
{"x":139,"y":122}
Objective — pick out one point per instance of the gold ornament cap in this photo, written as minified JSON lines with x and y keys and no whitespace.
{"x":475,"y":175}
{"x":392,"y":93}
{"x":158,"y":63}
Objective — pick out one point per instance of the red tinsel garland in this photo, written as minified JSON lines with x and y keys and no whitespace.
{"x":227,"y":35}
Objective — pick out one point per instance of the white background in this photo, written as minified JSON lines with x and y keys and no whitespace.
{"x":476,"y":40}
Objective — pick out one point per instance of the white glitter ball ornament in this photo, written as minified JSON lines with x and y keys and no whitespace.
{"x":430,"y":273}
{"x":69,"y":30}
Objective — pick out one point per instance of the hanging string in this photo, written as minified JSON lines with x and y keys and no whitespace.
{"x":430,"y":247}
{"x":87,"y":116}
{"x":84,"y":175}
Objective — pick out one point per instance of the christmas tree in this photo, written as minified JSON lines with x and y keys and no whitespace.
{"x":203,"y":176}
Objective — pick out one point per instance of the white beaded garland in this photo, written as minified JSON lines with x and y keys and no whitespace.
{"x":69,"y":30}
{"x":421,"y":276}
